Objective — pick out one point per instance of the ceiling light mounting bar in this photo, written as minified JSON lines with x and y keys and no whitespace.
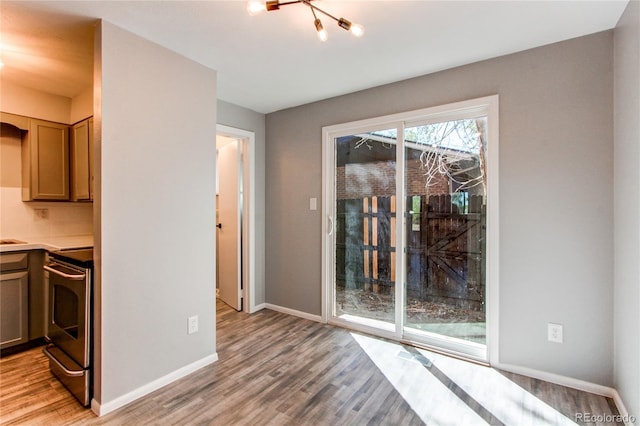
{"x":308,"y":3}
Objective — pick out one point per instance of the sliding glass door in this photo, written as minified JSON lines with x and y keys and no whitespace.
{"x":406,"y":246}
{"x":445,"y":192}
{"x":365,"y":227}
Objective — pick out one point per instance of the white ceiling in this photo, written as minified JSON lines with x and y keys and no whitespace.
{"x":274,"y":60}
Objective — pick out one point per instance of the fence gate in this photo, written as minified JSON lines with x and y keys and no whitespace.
{"x":445,"y":247}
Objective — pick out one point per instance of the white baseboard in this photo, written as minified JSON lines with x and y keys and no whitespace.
{"x":257,"y":308}
{"x":288,"y":311}
{"x":622,"y":409}
{"x":559,"y":380}
{"x":100,"y":409}
{"x":572,"y":383}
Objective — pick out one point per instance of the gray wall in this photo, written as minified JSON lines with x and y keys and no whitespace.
{"x":156,"y":115}
{"x":556,"y":171}
{"x":627,"y":207}
{"x":242,"y":118}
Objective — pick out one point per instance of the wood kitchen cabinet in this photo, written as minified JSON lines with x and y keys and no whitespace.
{"x":19,"y":121}
{"x":14,"y":299}
{"x":45,"y":162}
{"x":82,"y":161}
{"x":57,"y":159}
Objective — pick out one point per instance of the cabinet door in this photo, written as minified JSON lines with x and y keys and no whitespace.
{"x":14,"y":307}
{"x":80,"y":158}
{"x":46,"y":162}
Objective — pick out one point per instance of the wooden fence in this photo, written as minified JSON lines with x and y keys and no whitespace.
{"x":445,"y":247}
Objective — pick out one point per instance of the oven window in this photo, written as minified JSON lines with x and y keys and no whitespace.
{"x":65,"y":310}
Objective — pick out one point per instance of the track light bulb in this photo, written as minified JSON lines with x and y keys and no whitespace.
{"x":322,"y":33}
{"x":256,"y":6}
{"x":357,"y":30}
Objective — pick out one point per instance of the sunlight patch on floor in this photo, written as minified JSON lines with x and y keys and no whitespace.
{"x":425,"y":394}
{"x":435,"y":402}
{"x":509,"y":402}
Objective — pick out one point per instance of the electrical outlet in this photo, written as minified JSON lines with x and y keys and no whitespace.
{"x":41,"y":213}
{"x":192,"y":324}
{"x":554,"y":332}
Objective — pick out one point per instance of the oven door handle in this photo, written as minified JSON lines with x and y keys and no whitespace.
{"x":62,"y":274}
{"x":62,"y":367}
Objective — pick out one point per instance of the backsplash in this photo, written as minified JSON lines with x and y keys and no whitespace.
{"x":21,"y":220}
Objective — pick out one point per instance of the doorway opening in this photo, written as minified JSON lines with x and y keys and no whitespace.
{"x":235,"y":218}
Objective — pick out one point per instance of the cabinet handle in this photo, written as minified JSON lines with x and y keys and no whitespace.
{"x":62,"y":274}
{"x":219,"y":226}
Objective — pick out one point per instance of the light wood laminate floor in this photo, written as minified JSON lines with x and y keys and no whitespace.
{"x":275,"y":369}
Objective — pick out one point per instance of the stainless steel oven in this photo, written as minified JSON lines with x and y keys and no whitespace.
{"x":69,"y":320}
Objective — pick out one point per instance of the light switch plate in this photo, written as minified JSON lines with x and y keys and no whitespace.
{"x":313,"y":203}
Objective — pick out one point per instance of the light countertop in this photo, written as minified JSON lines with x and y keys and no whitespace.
{"x":49,"y":243}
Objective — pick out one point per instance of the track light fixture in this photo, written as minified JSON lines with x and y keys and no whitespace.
{"x":256,"y":6}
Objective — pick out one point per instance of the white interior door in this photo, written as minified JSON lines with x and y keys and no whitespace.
{"x":229,"y":224}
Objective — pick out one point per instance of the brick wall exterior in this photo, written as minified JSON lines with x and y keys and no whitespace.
{"x":416,"y":181}
{"x":361,"y":180}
